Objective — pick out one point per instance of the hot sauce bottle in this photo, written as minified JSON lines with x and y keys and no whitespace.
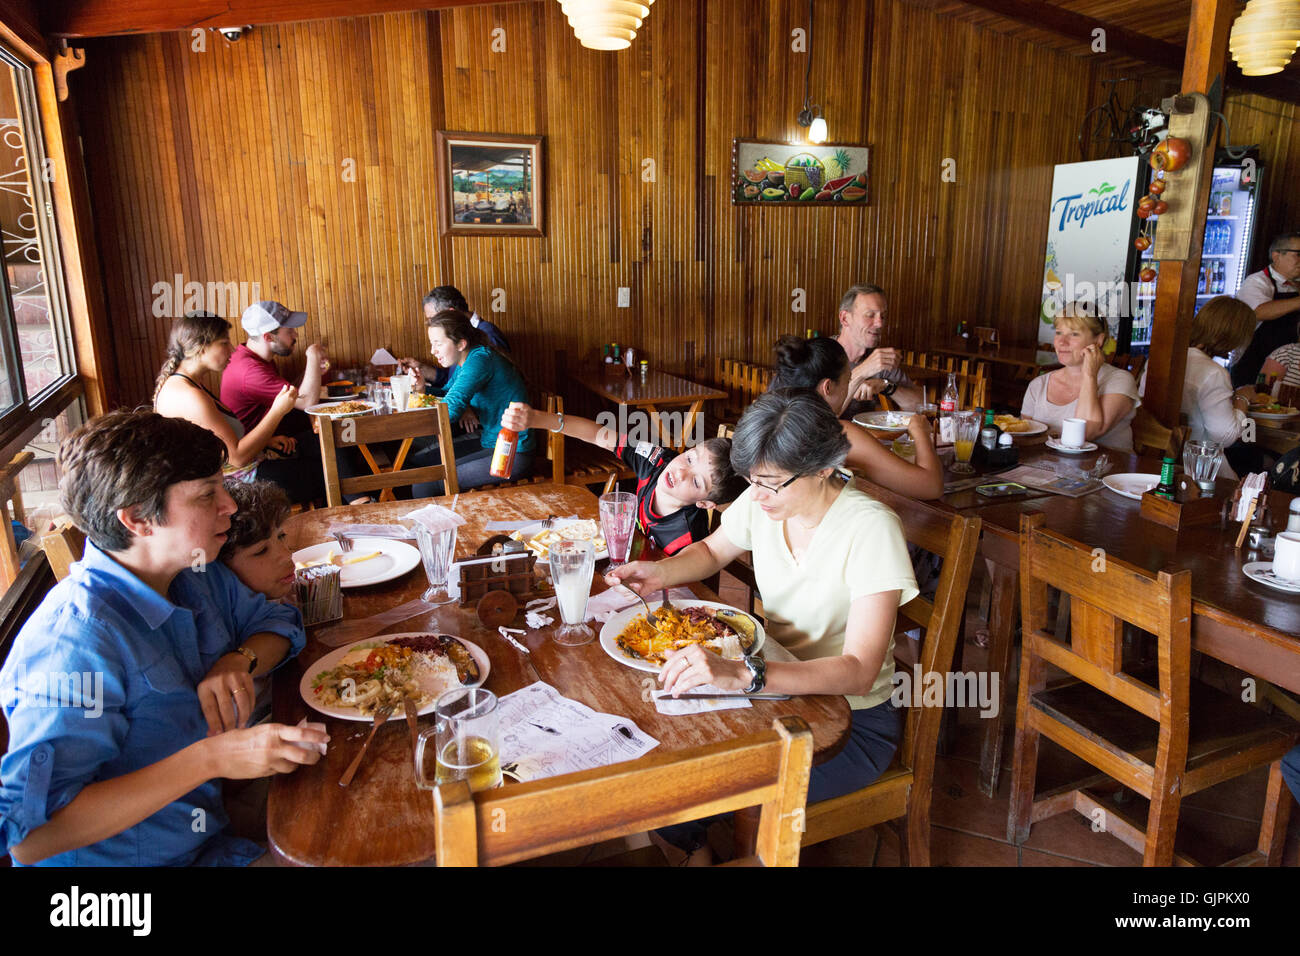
{"x":503,"y":457}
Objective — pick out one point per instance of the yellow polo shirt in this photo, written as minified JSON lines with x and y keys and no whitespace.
{"x":858,"y":549}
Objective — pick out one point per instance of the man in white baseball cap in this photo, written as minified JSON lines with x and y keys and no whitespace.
{"x":251,"y":380}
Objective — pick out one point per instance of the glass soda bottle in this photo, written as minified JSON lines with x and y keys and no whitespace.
{"x":947,"y":409}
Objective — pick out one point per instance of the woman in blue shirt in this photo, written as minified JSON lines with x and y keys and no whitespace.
{"x":486,"y":383}
{"x":127,"y":693}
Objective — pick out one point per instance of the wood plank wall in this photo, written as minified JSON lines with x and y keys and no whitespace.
{"x":227,"y":166}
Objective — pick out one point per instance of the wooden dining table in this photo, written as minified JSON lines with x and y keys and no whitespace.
{"x":655,"y":391}
{"x":382,"y":818}
{"x":1235,"y":619}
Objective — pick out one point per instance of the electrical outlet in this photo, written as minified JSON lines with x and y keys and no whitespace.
{"x":624,"y":297}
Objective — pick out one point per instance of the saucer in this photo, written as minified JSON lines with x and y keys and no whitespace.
{"x":1262,"y":571}
{"x":1055,"y":445}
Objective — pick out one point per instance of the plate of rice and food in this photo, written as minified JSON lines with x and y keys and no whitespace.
{"x":1265,"y":409}
{"x":1019,"y":427}
{"x":341,"y":409}
{"x":720,"y":628}
{"x":354,"y":681}
{"x":539,"y":539}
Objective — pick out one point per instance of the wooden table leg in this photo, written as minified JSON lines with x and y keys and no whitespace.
{"x":1002,"y":629}
{"x":687,"y":426}
{"x":656,"y":427}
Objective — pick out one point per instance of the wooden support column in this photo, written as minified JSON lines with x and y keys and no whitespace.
{"x":1207,"y":50}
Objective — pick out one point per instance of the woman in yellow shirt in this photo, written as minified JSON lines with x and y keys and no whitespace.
{"x":832,"y":568}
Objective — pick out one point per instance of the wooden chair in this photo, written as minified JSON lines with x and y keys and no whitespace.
{"x":742,"y":381}
{"x":904,"y":789}
{"x":62,"y":546}
{"x":1152,"y":438}
{"x":364,"y":430}
{"x":1185,"y":736}
{"x":740,"y":569}
{"x":519,"y":822}
{"x":11,"y":509}
{"x":579,"y":462}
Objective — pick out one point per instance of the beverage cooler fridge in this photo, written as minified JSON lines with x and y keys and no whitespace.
{"x":1225,"y":253}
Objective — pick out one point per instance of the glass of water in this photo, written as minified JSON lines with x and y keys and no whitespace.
{"x":572,"y":566}
{"x":1201,"y":462}
{"x":436,"y":550}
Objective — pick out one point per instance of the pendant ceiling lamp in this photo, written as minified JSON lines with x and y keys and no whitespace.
{"x":605,"y":24}
{"x":1265,"y":36}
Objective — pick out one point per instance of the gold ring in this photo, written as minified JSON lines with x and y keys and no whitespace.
{"x":238,"y":692}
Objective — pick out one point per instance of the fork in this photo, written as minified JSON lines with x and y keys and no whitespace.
{"x":650,"y":616}
{"x":381,"y":715}
{"x":549,"y":523}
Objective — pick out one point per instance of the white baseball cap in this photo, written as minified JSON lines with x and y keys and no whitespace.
{"x":262,"y":317}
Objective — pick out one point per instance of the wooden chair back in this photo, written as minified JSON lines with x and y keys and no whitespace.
{"x":742,"y":381}
{"x":1152,"y":438}
{"x":905,"y":789}
{"x":365,"y":430}
{"x":62,"y":546}
{"x":11,"y":509}
{"x":519,"y":822}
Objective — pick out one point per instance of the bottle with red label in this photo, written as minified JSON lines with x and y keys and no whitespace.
{"x":947,"y":409}
{"x":503,"y":456}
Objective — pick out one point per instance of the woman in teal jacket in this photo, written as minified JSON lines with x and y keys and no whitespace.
{"x":485,"y":384}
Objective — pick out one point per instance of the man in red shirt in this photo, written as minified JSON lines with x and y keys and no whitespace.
{"x":251,"y":380}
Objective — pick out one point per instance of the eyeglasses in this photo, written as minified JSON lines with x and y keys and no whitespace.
{"x":1294,"y":252}
{"x":777,"y":490}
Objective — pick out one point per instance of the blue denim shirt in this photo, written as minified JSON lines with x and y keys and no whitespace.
{"x":101,"y":681}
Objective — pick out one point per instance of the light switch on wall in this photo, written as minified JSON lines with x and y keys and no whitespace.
{"x":624,"y":297}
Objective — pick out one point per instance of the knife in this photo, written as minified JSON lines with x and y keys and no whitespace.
{"x":409,"y":706}
{"x":725,"y":697}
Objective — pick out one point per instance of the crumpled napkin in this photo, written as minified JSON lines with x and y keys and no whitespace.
{"x":436,"y":518}
{"x":618,"y":598}
{"x":665,"y":704}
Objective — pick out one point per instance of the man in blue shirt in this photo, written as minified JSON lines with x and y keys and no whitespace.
{"x":128,"y":691}
{"x":449,"y":297}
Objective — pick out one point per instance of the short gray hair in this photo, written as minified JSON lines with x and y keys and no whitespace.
{"x":792,"y":430}
{"x":445,"y":297}
{"x":1283,"y":240}
{"x":850,"y":298}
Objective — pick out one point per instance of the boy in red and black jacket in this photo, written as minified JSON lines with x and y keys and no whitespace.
{"x":674,"y":492}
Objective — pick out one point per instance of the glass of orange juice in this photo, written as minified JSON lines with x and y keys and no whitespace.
{"x":967,"y":425}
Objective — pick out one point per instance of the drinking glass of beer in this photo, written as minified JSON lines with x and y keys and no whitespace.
{"x":967,"y":426}
{"x":467,"y":741}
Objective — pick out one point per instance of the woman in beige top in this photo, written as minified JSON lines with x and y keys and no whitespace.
{"x":1105,"y":397}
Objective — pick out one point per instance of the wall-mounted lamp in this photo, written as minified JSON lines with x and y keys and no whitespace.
{"x":811,"y":114}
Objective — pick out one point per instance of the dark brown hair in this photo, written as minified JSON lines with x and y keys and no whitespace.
{"x":190,"y":336}
{"x":263,"y":506}
{"x":805,"y":363}
{"x":125,"y":459}
{"x":456,"y":325}
{"x":1223,"y":324}
{"x":727,"y":485}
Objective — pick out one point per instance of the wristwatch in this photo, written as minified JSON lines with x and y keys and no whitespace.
{"x":758,"y":668}
{"x":252,"y":658}
{"x":889,"y":389}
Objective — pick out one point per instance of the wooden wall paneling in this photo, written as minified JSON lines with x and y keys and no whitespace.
{"x":257,"y":195}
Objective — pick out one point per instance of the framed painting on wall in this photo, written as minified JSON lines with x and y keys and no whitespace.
{"x":772,"y":173}
{"x":490,"y":184}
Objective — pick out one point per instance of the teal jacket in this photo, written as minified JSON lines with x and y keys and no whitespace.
{"x":488,"y":383}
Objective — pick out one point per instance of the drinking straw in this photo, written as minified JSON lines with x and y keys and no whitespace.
{"x":455,"y":498}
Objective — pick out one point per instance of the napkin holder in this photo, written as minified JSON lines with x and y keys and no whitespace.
{"x":1190,"y":506}
{"x":516,"y":576}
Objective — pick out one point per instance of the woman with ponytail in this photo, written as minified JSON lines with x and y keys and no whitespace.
{"x":200,"y":343}
{"x":822,"y":366}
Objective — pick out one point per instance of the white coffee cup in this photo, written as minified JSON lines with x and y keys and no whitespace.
{"x":1072,"y":432}
{"x":1286,"y":556}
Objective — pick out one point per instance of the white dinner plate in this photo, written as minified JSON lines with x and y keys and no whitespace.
{"x":1262,"y":571}
{"x":331,"y":660}
{"x":1273,"y":416}
{"x":1133,"y":485}
{"x":531,"y":529}
{"x":613,"y":627}
{"x":394,"y":560}
{"x":324,"y":409}
{"x":1083,"y":449}
{"x":1037,"y":429}
{"x":891,"y":421}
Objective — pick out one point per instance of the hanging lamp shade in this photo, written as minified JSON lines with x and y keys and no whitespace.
{"x":605,"y":24}
{"x":1265,"y":36}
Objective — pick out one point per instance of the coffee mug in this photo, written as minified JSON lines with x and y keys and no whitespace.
{"x":1072,"y":432}
{"x":1286,"y":556}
